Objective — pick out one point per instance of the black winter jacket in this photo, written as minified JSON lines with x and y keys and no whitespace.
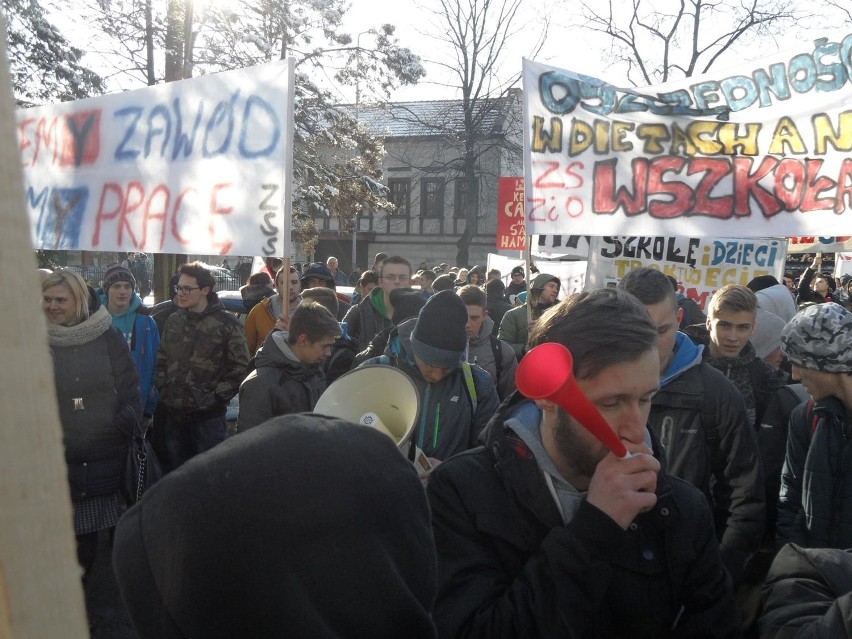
{"x":701,"y":421}
{"x":815,"y":502}
{"x":97,"y":390}
{"x":508,"y":566}
{"x":808,"y":594}
{"x":805,"y":293}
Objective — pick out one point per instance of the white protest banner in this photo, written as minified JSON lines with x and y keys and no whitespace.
{"x":842,"y":265}
{"x":760,"y":151}
{"x":196,"y":166}
{"x":571,"y":274}
{"x":819,"y":244}
{"x":551,"y":246}
{"x":701,"y":266}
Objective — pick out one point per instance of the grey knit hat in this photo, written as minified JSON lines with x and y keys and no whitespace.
{"x":820,"y":337}
{"x":118,"y":273}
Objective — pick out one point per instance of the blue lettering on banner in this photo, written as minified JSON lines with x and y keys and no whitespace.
{"x":828,"y":68}
{"x":159,"y":131}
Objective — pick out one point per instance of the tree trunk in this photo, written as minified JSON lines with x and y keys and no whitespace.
{"x":471,"y":210}
{"x":150,"y":74}
{"x":174,"y":40}
{"x":178,"y":63}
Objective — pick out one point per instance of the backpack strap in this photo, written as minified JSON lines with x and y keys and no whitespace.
{"x":471,"y":386}
{"x":498,"y":357}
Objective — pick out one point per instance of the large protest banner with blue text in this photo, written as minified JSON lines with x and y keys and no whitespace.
{"x":199,"y":166}
{"x":700,"y":265}
{"x":760,"y":151}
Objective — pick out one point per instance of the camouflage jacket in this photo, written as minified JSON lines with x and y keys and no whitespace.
{"x":202,"y":360}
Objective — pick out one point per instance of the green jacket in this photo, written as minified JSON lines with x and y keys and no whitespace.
{"x":202,"y":360}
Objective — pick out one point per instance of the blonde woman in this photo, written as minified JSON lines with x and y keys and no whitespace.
{"x":97,"y":388}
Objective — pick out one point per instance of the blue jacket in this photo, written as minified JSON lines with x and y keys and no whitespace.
{"x":143,"y":339}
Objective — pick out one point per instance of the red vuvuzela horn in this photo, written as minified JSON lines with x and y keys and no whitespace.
{"x":547,"y":372}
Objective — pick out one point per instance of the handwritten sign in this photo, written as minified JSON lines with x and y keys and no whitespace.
{"x":759,"y":152}
{"x":700,"y":266}
{"x":197,"y":166}
{"x":511,"y":234}
{"x":571,"y":274}
{"x":819,"y":244}
{"x":559,"y":246}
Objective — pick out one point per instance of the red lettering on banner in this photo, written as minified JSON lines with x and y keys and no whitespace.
{"x":68,"y":141}
{"x":130,"y":208}
{"x":791,"y":184}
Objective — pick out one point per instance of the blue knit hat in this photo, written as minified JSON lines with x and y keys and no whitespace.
{"x":439,"y":337}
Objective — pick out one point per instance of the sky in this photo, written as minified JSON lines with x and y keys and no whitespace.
{"x":413,"y":25}
{"x":567,"y":48}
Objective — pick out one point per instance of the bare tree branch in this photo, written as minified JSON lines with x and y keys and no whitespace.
{"x":653,"y":41}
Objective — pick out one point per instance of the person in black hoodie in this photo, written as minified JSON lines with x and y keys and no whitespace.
{"x":474,"y":276}
{"x":305,"y":526}
{"x":497,"y":306}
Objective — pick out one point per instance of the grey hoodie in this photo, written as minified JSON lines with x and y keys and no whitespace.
{"x":279,"y":385}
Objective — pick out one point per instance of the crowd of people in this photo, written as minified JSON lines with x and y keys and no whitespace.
{"x":730,"y":515}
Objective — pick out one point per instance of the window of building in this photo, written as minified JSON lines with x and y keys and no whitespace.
{"x":432,"y":197}
{"x":400,"y":195}
{"x":458,"y":197}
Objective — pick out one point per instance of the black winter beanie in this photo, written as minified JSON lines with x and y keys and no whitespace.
{"x":439,"y":336}
{"x":305,"y":526}
{"x":495,"y":290}
{"x":406,"y":304}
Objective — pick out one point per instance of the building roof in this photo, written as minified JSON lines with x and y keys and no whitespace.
{"x":433,"y":118}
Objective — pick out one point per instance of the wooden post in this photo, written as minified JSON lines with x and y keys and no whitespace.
{"x":40,"y":590}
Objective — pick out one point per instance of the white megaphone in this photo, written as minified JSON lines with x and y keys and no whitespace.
{"x":380,"y":397}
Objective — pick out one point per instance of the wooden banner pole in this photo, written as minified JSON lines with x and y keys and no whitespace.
{"x":41,"y":594}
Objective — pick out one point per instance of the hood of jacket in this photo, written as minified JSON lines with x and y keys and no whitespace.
{"x":543,"y":278}
{"x":377,"y":299}
{"x":686,"y":355}
{"x":778,"y":300}
{"x":476,"y":270}
{"x":484,"y":334}
{"x":403,"y":332}
{"x":515,"y":461}
{"x":122,"y":321}
{"x":276,"y":353}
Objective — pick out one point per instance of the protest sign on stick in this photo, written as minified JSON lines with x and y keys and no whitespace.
{"x":198,"y":166}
